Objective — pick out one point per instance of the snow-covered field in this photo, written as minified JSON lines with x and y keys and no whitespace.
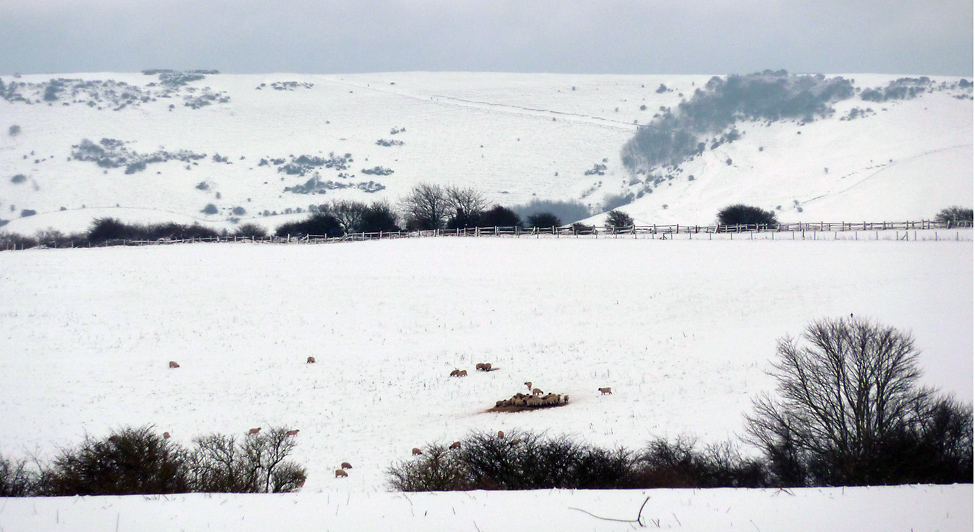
{"x":682,"y":330}
{"x":905,"y":508}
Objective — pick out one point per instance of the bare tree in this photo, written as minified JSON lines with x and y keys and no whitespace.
{"x":348,"y":213}
{"x":845,"y":395}
{"x":427,"y":207}
{"x":468,"y":204}
{"x":256,"y":464}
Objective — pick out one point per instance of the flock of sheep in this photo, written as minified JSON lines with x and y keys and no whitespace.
{"x":519,"y":400}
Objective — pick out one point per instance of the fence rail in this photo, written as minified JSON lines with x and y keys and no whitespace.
{"x":575,"y":230}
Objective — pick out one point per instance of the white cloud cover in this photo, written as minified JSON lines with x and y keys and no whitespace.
{"x":617,"y":36}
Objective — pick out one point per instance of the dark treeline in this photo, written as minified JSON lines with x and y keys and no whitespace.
{"x":426,"y":207}
{"x":134,"y":461}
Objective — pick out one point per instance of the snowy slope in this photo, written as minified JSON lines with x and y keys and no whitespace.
{"x":942,"y":508}
{"x":513,"y":136}
{"x":683,"y":330}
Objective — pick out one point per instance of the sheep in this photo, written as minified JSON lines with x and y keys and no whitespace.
{"x":534,"y":401}
{"x":565,"y":399}
{"x":165,"y":435}
{"x":514,"y":442}
{"x":291,"y":432}
{"x":173,"y":364}
{"x":606,"y":390}
{"x":341,"y":473}
{"x":311,"y":360}
{"x":537,"y":392}
{"x":479,"y":366}
{"x":462,"y":373}
{"x":346,"y":465}
{"x":455,"y":373}
{"x":254,"y":431}
{"x":529,"y":384}
{"x":483,"y":367}
{"x":500,"y":404}
{"x":487,"y":367}
{"x":417,"y":451}
{"x":501,"y":434}
{"x":455,"y":445}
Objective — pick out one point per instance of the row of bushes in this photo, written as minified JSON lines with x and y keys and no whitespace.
{"x":528,"y":460}
{"x":105,"y":230}
{"x":343,"y":217}
{"x":134,"y":461}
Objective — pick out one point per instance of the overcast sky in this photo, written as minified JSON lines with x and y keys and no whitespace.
{"x":921,"y":37}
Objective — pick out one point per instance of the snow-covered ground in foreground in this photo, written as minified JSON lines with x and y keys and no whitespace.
{"x":903,"y":508}
{"x":514,"y":137}
{"x":682,"y":330}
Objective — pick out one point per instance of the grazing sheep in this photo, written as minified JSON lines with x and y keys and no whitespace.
{"x":529,"y":384}
{"x":417,"y":451}
{"x":487,"y":367}
{"x":500,"y":434}
{"x":254,"y":431}
{"x":500,"y":404}
{"x":165,"y":435}
{"x":346,"y":465}
{"x":479,"y":366}
{"x":536,"y":392}
{"x":341,"y":473}
{"x":534,"y":401}
{"x":606,"y":390}
{"x":483,"y":367}
{"x":311,"y":360}
{"x":173,"y":364}
{"x":455,"y":373}
{"x":463,"y":373}
{"x":291,"y":433}
{"x":455,"y":445}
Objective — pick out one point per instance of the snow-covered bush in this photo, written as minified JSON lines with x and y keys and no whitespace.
{"x":523,"y":460}
{"x":16,"y":479}
{"x":130,"y":461}
{"x":618,"y":220}
{"x":745,"y":214}
{"x":543,"y":220}
{"x":953,"y":215}
{"x":257,"y":463}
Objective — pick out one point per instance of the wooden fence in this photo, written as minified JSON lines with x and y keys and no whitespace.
{"x":579,"y":230}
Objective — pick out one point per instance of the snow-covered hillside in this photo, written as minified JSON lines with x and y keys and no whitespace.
{"x":682,"y":330}
{"x":515,"y":137}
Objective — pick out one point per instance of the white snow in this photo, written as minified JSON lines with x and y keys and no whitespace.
{"x":515,"y":137}
{"x":942,"y":508}
{"x":683,"y":330}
